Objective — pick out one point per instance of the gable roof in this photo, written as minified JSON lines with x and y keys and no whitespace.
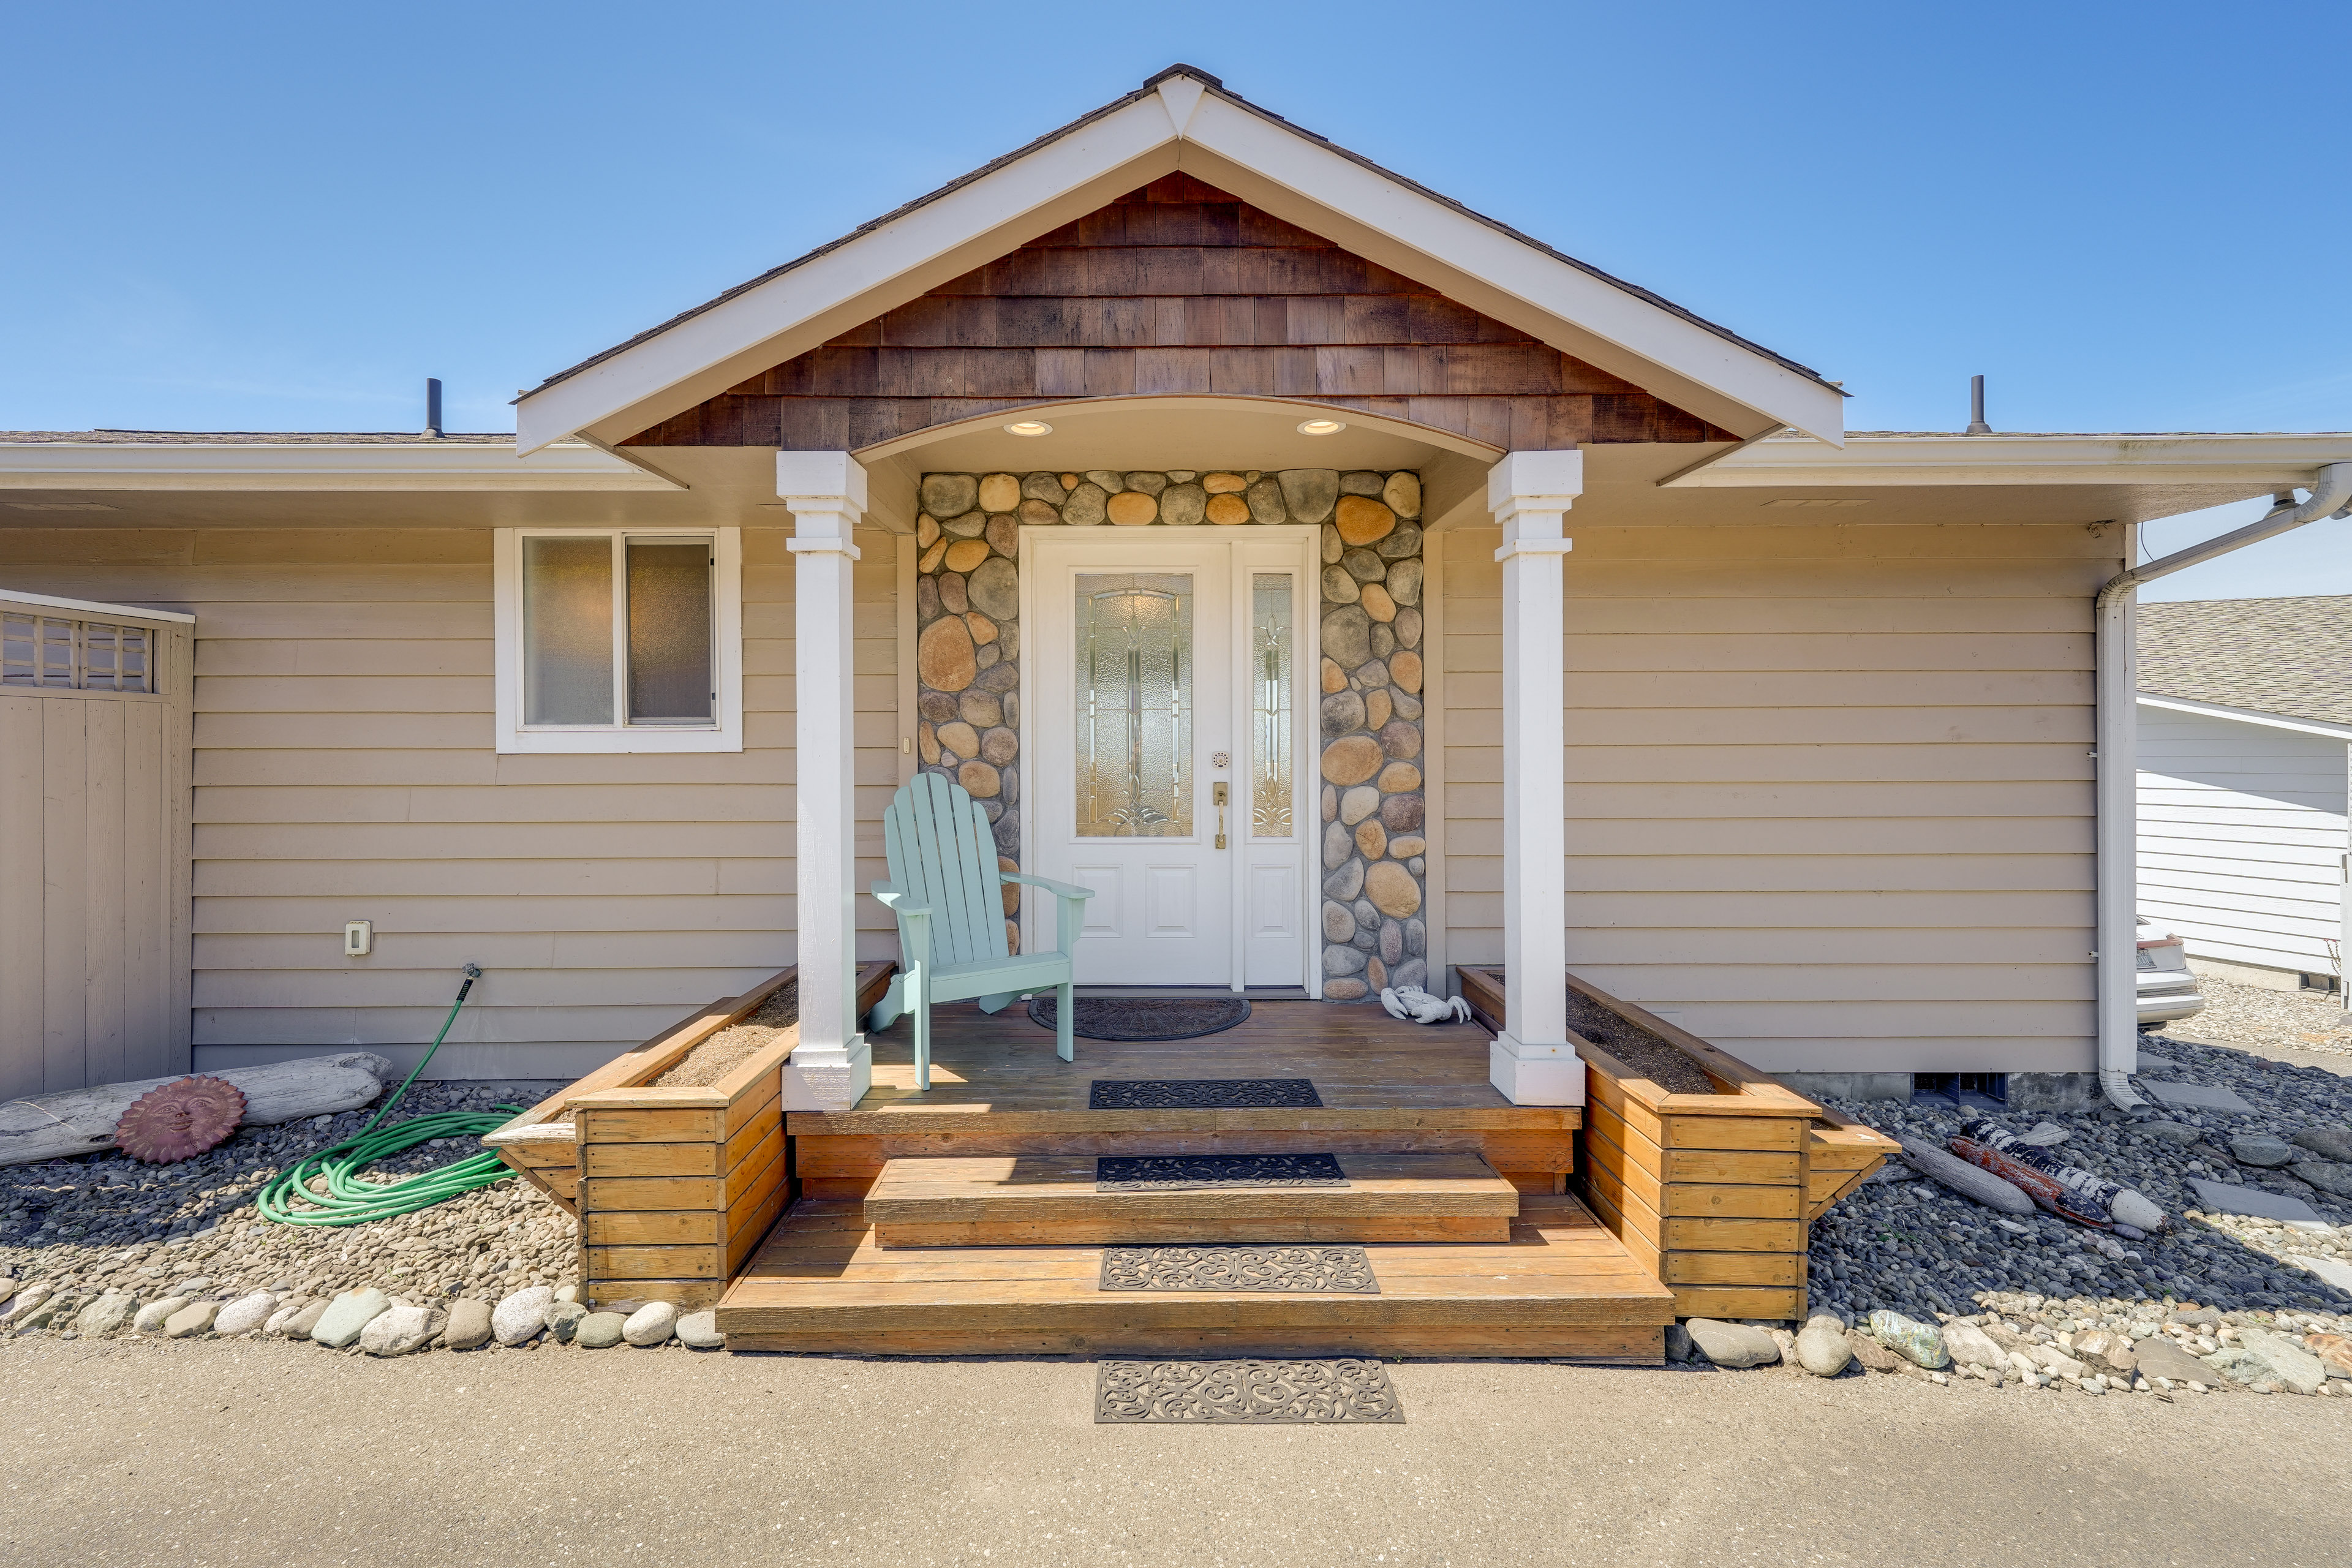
{"x":2288,"y":656}
{"x":1182,"y":118}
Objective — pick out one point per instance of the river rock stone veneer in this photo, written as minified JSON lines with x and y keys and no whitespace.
{"x":1373,"y":848}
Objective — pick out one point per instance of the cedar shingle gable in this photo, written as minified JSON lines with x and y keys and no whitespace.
{"x":1180,"y":288}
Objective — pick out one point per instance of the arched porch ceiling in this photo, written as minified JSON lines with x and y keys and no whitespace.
{"x":1147,"y":433}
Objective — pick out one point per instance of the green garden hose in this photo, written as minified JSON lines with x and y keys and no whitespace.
{"x":289,"y":1200}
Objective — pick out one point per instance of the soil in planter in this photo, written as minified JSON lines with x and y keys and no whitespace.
{"x":731,"y":1046}
{"x":1649,"y":1055}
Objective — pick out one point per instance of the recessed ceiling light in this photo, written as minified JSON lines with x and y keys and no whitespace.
{"x":1320,"y":426}
{"x":1028,"y":427}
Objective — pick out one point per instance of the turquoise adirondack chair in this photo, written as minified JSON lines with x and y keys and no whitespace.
{"x":944,"y":888}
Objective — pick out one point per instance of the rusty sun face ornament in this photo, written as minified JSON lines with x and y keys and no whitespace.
{"x":180,"y":1120}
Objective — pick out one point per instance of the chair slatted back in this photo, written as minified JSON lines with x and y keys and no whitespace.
{"x":943,"y":853}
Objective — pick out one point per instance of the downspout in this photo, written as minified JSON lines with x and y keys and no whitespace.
{"x":2118,"y":754}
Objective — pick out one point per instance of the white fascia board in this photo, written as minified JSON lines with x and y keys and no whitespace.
{"x":2253,"y":461}
{"x":315,"y":466}
{"x":2247,"y":716}
{"x":1588,"y":306}
{"x":93,"y":608}
{"x":854,"y":282}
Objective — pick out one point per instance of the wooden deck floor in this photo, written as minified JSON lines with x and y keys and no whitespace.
{"x":998,"y":1088}
{"x":1562,"y":1285}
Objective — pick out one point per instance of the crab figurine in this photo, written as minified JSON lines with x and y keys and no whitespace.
{"x":1411,"y":1002}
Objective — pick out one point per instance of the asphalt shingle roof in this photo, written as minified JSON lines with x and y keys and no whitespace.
{"x":2288,"y":656}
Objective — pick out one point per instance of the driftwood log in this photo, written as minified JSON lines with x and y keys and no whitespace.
{"x":55,"y":1126}
{"x":528,"y":1137}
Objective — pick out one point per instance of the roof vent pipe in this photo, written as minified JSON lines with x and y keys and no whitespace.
{"x":432,"y":406}
{"x":1977,"y":426}
{"x":2118,"y":910}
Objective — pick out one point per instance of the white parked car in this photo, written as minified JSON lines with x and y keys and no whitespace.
{"x":2168,"y":990}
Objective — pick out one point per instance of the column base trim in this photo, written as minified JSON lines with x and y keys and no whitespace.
{"x":1534,"y":1075}
{"x":829,"y":1078}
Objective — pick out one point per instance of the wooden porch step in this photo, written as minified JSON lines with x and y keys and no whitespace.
{"x":1026,"y":1200}
{"x":1562,"y":1285}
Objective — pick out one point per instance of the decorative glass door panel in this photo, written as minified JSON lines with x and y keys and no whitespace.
{"x":1164,"y":757}
{"x":1133,"y":724}
{"x":1273,"y":746}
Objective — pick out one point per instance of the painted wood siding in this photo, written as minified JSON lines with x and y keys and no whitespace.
{"x":344,"y":769}
{"x":1829,"y":786}
{"x":94,"y":882}
{"x":2242,"y":840}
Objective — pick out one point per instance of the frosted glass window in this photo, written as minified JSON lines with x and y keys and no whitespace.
{"x":1134,"y":705}
{"x":1271,"y":659}
{"x":670,"y":631}
{"x":567,"y":631}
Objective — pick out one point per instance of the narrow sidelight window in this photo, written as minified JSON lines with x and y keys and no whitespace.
{"x":1270,"y":681}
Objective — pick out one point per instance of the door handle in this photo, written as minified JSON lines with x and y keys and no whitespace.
{"x":1218,"y":792}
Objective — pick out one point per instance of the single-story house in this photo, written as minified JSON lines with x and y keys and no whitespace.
{"x":2245,"y":736}
{"x":1348,"y":587}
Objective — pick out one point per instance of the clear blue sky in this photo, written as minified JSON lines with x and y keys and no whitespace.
{"x":269,"y":216}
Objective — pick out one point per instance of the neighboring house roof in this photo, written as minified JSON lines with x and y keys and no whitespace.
{"x":2291,"y":658}
{"x":1182,"y":118}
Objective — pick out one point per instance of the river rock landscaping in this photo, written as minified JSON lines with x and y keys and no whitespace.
{"x":2214,"y":1301}
{"x":104,"y":1245}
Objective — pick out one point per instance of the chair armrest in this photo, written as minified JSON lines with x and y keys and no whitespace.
{"x":892,"y":896}
{"x":1059,"y":889}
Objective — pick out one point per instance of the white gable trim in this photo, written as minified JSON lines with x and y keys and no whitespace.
{"x":2247,"y":716}
{"x":1183,"y":123}
{"x":1310,"y":183}
{"x":792,"y":312}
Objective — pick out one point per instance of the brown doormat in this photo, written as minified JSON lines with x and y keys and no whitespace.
{"x":1344,"y":1390}
{"x":1144,"y":1017}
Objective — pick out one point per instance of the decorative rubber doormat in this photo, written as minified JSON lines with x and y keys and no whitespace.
{"x":1203,"y":1094}
{"x":1347,"y":1269}
{"x":1187,"y":1172}
{"x":1246,"y":1392}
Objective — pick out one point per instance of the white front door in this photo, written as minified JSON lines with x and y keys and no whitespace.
{"x":1160,"y":684}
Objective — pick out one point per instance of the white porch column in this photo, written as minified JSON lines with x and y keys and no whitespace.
{"x":833,"y":1067}
{"x":1531,"y":1062}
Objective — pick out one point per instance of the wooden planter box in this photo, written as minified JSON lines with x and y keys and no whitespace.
{"x":672,"y":1187}
{"x":1714,"y":1192}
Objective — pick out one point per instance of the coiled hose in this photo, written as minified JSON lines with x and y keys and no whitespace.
{"x":289,"y":1200}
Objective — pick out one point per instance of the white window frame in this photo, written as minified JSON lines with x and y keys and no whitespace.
{"x":726,"y":734}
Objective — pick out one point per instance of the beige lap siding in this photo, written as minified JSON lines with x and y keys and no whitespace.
{"x":1829,"y":787}
{"x":345,"y":770}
